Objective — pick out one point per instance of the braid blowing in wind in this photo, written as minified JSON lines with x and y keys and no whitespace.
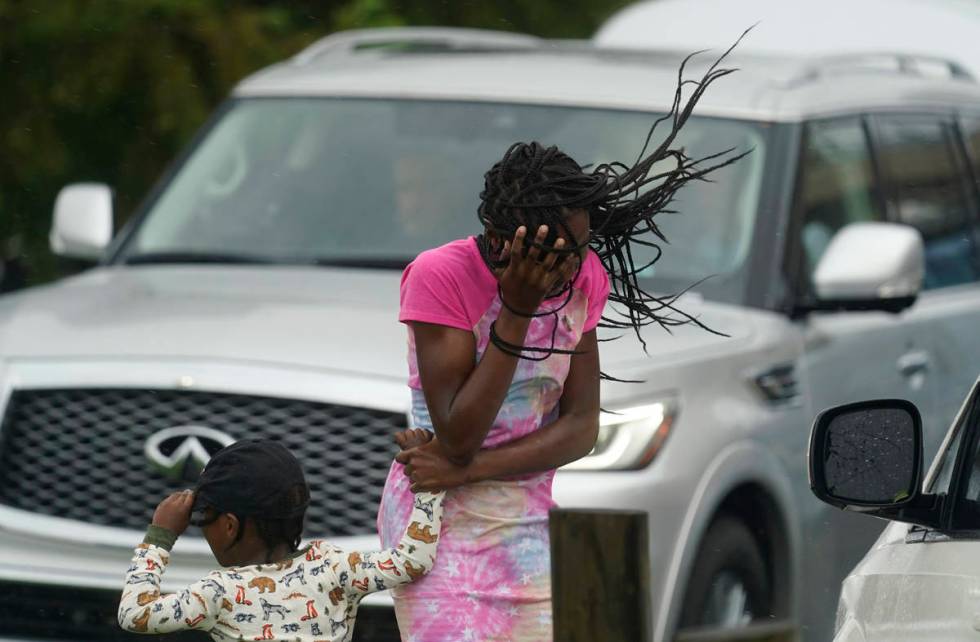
{"x":533,"y":185}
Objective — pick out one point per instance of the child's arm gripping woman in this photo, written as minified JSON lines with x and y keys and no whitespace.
{"x":207,"y":603}
{"x":413,"y":557}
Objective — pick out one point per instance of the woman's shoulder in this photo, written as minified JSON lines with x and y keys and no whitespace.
{"x":593,"y":273}
{"x":593,"y":281}
{"x":458,"y":253}
{"x":448,"y":285}
{"x":458,"y":261}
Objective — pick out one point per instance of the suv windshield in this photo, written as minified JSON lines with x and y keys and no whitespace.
{"x":371,"y":182}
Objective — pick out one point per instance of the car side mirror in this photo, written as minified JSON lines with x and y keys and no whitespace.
{"x":867,"y":457}
{"x":82,"y":227}
{"x":870,"y":266}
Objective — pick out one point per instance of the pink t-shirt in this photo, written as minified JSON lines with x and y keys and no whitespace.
{"x":452,"y":286}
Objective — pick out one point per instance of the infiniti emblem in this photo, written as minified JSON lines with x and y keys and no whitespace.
{"x":181,"y":452}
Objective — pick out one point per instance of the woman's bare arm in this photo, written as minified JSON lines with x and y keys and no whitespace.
{"x":568,"y":438}
{"x":464,"y":397}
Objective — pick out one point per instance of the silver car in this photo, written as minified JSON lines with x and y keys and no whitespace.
{"x":920,"y":579}
{"x":255,"y":292}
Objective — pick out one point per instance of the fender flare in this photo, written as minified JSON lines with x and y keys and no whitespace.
{"x":739,"y":463}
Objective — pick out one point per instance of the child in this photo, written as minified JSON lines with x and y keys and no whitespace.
{"x":252,"y":496}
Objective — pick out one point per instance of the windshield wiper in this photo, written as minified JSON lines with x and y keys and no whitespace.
{"x":195,"y":257}
{"x":371,"y":263}
{"x":382,"y":263}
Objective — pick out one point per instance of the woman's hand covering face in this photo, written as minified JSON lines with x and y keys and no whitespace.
{"x":532,"y":273}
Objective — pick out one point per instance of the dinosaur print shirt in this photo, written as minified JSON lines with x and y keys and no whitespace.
{"x":312,"y":596}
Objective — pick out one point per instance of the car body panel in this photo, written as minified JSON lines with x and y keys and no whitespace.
{"x":915,"y":591}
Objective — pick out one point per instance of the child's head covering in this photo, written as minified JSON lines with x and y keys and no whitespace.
{"x":256,"y":478}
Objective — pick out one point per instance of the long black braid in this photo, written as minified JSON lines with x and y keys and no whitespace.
{"x":533,"y":185}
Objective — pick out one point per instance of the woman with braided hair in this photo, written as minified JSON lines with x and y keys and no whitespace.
{"x":504,"y":368}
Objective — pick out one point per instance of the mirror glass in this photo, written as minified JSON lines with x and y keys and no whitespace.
{"x":869,"y":455}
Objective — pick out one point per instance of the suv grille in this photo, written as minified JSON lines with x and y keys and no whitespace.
{"x":79,"y":453}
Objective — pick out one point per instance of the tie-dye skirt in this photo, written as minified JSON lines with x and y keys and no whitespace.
{"x":491,"y":580}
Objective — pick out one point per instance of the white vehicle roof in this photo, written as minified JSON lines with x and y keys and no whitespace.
{"x":946,"y":28}
{"x":446,"y":64}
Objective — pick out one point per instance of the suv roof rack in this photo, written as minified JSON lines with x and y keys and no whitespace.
{"x":903,"y":63}
{"x":414,"y":39}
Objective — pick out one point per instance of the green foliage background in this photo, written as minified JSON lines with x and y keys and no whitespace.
{"x":109,"y":90}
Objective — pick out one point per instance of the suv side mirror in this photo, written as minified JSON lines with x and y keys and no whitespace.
{"x":867,"y":457}
{"x":870,"y":266}
{"x":82,"y":226}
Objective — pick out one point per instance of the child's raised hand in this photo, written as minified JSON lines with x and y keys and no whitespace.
{"x":412,"y":438}
{"x":174,"y":512}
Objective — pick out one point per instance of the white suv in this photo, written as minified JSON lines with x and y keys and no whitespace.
{"x":255,"y":292}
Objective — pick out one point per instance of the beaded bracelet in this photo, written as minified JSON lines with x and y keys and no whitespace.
{"x":516,"y":350}
{"x":534,"y":315}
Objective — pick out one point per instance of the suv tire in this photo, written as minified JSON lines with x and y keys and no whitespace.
{"x":729,"y":585}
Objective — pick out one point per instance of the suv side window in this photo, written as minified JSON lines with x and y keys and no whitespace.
{"x":925,"y":187}
{"x":966,"y":510}
{"x":970,"y":126}
{"x":971,"y":131}
{"x":837,"y":185}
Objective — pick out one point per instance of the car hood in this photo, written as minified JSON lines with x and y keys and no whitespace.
{"x":323,"y":318}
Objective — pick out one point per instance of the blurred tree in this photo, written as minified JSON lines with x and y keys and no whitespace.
{"x":110,"y":90}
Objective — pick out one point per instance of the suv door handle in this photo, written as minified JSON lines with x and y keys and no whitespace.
{"x":913,"y":363}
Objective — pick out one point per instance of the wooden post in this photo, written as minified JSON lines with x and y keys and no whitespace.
{"x":600,"y":575}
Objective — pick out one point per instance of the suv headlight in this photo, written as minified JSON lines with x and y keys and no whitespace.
{"x":629,"y":438}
